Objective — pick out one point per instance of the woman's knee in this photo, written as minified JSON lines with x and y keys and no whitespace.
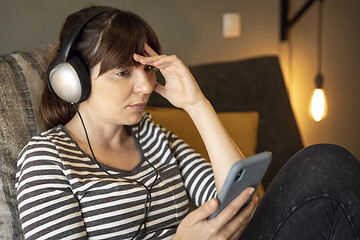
{"x":325,"y":157}
{"x":320,"y":169}
{"x":330,"y":153}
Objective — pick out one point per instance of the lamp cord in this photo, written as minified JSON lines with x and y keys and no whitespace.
{"x":319,"y":79}
{"x":320,"y":26}
{"x":148,"y":199}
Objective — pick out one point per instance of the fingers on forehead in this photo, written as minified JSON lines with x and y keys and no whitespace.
{"x":149,"y":50}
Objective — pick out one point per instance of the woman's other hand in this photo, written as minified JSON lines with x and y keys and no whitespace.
{"x":229,"y":224}
{"x":180,"y":89}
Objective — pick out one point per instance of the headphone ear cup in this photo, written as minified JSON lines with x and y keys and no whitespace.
{"x":83,"y":75}
{"x":70,"y":80}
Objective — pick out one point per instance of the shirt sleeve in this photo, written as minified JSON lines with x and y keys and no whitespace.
{"x":47,"y":207}
{"x":196,"y":172}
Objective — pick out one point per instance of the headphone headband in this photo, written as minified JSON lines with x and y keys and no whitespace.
{"x":79,"y":26}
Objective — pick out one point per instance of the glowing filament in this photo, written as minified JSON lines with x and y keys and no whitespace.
{"x":318,"y":105}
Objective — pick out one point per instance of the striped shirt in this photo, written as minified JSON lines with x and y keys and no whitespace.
{"x":63,"y":193}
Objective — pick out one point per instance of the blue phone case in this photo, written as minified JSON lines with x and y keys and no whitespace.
{"x":244,"y":173}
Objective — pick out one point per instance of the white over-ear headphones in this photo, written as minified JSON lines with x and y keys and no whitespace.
{"x":67,"y":75}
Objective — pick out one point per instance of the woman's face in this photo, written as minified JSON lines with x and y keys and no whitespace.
{"x":119,"y":96}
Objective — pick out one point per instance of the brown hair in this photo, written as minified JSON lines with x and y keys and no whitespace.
{"x":110,"y":39}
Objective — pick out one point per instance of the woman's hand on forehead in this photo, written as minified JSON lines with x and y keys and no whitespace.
{"x":180,"y":89}
{"x":149,"y":51}
{"x":150,"y":56}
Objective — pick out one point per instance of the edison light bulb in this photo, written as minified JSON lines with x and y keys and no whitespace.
{"x":318,"y":105}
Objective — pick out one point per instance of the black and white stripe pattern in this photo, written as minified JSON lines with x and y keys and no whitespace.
{"x":63,"y":193}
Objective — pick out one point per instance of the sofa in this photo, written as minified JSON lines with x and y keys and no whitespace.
{"x":249,"y":96}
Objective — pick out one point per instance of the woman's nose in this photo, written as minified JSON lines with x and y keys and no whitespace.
{"x":145,"y":81}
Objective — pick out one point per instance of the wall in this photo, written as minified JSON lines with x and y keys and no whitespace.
{"x":192,"y":30}
{"x":340,"y":66}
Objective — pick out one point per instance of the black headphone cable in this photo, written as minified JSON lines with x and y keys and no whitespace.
{"x":148,"y":199}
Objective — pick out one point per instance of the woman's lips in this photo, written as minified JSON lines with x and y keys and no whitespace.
{"x":138,"y":106}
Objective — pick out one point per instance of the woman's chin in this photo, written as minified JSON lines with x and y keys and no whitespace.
{"x":135,"y":118}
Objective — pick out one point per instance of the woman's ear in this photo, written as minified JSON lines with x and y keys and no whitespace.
{"x":94,"y":72}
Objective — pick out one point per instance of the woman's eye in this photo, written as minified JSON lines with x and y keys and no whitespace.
{"x":149,"y":68}
{"x":123,"y":73}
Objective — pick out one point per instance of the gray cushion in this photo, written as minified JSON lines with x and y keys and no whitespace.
{"x":254,"y":84}
{"x":21,"y":81}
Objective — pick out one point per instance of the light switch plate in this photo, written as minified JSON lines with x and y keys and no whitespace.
{"x":231,"y":25}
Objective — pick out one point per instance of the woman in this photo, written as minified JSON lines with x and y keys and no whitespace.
{"x":104,"y":169}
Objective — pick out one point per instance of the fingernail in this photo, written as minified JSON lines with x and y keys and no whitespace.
{"x":251,"y":190}
{"x":212,"y":202}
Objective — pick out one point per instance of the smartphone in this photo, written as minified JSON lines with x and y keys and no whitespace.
{"x":244,"y":173}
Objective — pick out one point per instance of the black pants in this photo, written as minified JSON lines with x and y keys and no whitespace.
{"x":315,"y":196}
